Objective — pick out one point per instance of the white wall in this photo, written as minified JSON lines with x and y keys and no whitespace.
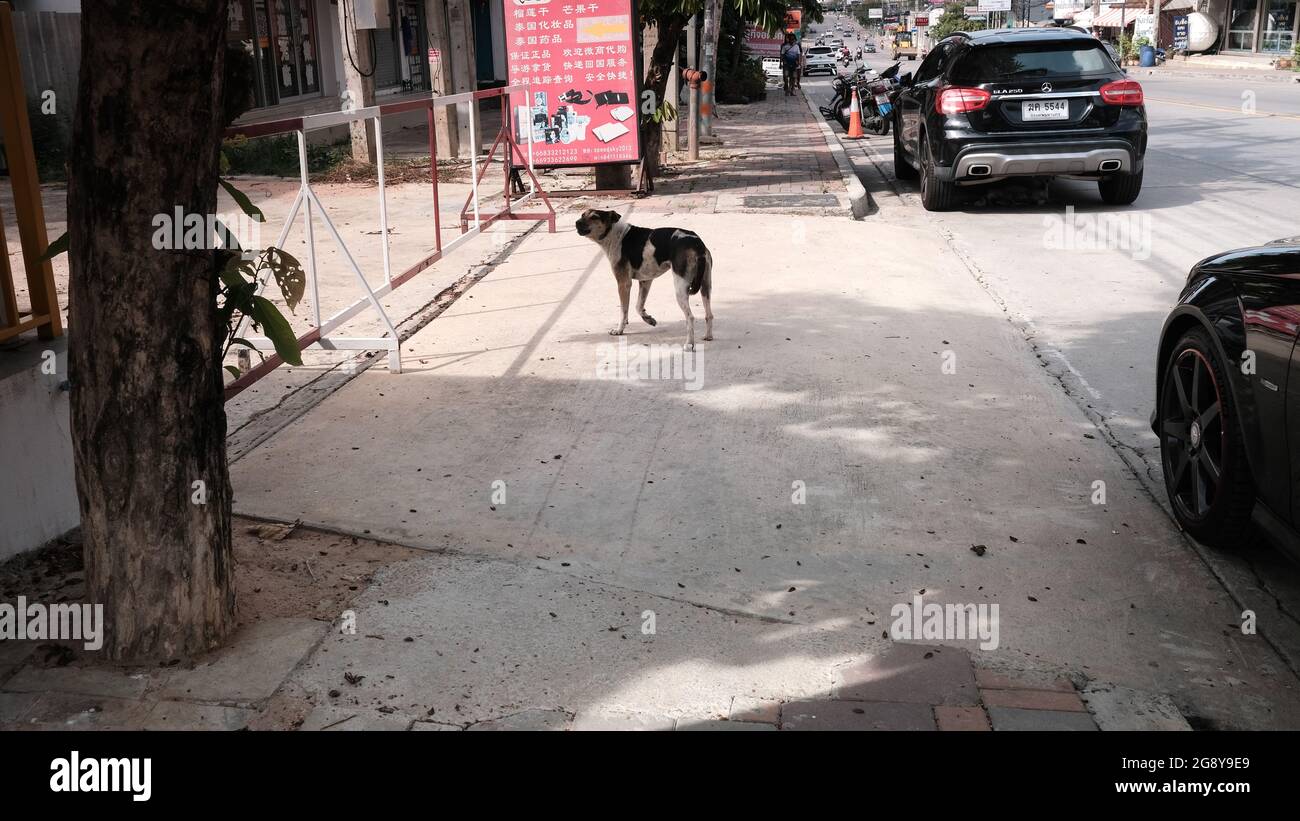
{"x":38,"y":494}
{"x":47,"y":5}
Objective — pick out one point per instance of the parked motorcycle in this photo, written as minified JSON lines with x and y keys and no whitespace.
{"x":875,"y":97}
{"x":838,"y":108}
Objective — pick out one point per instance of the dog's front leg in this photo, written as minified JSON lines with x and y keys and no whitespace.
{"x":624,"y":297}
{"x":643,"y":291}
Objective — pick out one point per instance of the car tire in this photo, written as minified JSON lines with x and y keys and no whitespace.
{"x":1120,"y":189}
{"x":1199,"y":435}
{"x":936,"y":195}
{"x":903,"y":169}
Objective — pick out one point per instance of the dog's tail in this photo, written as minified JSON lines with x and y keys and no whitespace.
{"x":702,"y":273}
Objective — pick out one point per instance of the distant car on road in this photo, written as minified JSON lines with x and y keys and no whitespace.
{"x":1227,"y":412}
{"x":836,"y":43}
{"x":1030,"y":102}
{"x":819,"y":58}
{"x":871,"y":48}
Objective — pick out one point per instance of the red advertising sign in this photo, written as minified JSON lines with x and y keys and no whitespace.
{"x":793,"y":20}
{"x":762,"y":44}
{"x":579,"y":60}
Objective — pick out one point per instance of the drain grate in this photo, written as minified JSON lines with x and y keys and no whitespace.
{"x":791,"y":201}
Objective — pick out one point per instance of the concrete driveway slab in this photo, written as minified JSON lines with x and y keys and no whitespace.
{"x":864,"y":417}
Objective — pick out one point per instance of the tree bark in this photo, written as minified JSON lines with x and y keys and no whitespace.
{"x":148,"y":422}
{"x":656,"y":80}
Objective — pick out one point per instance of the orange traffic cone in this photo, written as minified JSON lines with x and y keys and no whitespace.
{"x":855,"y":118}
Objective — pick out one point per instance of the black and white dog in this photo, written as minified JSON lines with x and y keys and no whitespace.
{"x":642,"y":254}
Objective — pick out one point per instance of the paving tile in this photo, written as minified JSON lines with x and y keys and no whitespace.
{"x":961,"y":718}
{"x":724,"y":726}
{"x":990,"y":680}
{"x":433,"y":726}
{"x":1011,"y":718}
{"x":329,"y":718}
{"x":1033,"y":700}
{"x":911,"y":673}
{"x":85,"y":681}
{"x":605,"y":720}
{"x":184,"y":715}
{"x":855,"y":715}
{"x":252,"y":666}
{"x":527,"y":720}
{"x":1121,"y":708}
{"x":14,"y":707}
{"x":66,"y":711}
{"x":744,"y":708}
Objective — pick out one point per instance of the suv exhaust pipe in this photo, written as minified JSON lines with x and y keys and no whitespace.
{"x":980,"y":170}
{"x":1109,"y":165}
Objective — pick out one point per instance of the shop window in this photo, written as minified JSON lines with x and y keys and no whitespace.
{"x":1277,"y":34}
{"x":1241,"y":28}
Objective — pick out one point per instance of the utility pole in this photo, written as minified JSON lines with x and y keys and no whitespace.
{"x":675,"y":94}
{"x":693,"y":62}
{"x":712,"y":31}
{"x":358,"y":82}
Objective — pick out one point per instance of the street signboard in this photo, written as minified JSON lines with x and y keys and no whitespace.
{"x":1180,"y":32}
{"x":969,"y":10}
{"x":761,"y":44}
{"x":579,"y":61}
{"x":921,"y":20}
{"x":995,"y":5}
{"x":875,"y":14}
{"x":793,"y":19}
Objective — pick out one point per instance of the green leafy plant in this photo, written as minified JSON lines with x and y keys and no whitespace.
{"x":953,"y":19}
{"x":238,"y":298}
{"x":1128,"y":48}
{"x":237,"y":295}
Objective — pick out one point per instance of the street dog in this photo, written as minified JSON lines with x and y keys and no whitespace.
{"x":642,"y":254}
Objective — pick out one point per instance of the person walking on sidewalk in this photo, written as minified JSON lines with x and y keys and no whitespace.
{"x":791,"y":58}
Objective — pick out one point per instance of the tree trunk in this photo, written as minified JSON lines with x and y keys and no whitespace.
{"x":656,"y":80}
{"x":148,"y":424}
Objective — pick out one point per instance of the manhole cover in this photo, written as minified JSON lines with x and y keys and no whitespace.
{"x":791,"y":201}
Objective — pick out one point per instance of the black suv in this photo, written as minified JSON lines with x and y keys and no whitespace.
{"x":1038,"y":102}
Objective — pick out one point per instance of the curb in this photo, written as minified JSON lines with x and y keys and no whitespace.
{"x":1249,"y":75}
{"x":859,"y":199}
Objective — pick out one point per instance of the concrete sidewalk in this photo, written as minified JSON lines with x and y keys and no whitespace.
{"x":827,"y":469}
{"x":772,"y":158}
{"x":617,"y":535}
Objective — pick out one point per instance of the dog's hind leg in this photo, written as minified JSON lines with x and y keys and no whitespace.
{"x":624,"y":297}
{"x":706,"y":288}
{"x":684,"y":302}
{"x":643,"y":291}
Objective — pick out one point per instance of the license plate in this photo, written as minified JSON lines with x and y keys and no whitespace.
{"x":1036,"y":110}
{"x":885,"y":108}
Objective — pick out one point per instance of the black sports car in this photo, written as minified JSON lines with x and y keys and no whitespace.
{"x":1226,"y":405}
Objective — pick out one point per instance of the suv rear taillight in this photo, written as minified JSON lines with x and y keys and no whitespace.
{"x":958,"y":100}
{"x":1122,"y":92}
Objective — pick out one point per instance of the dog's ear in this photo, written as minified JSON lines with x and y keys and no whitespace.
{"x":614,"y":217}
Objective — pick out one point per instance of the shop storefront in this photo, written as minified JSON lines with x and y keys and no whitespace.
{"x":286,"y":38}
{"x":1261,"y":26}
{"x":283,"y":38}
